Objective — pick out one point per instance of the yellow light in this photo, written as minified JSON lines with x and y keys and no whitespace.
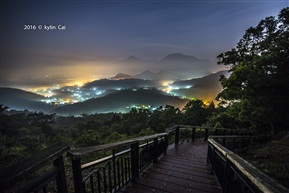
{"x":166,"y":83}
{"x":78,"y":83}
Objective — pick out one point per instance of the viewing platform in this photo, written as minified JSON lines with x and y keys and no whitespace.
{"x":184,"y":168}
{"x":182,"y":159}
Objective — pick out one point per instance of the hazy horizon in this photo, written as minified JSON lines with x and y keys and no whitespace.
{"x":48,"y":43}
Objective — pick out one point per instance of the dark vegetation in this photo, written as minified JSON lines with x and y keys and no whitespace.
{"x":255,"y":95}
{"x":24,"y":132}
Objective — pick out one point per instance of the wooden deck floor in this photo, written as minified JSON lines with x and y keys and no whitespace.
{"x":183,"y":169}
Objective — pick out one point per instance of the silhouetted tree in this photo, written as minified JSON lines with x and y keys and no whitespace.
{"x":259,"y":74}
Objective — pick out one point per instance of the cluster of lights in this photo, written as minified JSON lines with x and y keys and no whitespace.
{"x":168,"y":88}
{"x":74,"y":92}
{"x":140,"y":107}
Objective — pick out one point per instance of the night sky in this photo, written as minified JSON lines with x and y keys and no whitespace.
{"x":100,"y":33}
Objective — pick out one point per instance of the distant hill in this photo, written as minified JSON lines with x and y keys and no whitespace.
{"x":20,"y":100}
{"x":181,"y":57}
{"x":107,"y":95}
{"x":120,"y":76}
{"x":186,"y":66}
{"x":121,"y":101}
{"x":214,"y":77}
{"x":133,"y":59}
{"x":161,"y":75}
{"x":106,"y":84}
{"x":206,"y":88}
{"x":180,"y":65}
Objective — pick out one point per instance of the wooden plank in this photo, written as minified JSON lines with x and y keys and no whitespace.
{"x":186,"y":171}
{"x":139,"y":188}
{"x":176,"y":186}
{"x":191,"y":176}
{"x":179,"y":175}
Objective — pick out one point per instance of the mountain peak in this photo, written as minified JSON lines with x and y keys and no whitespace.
{"x":120,"y":76}
{"x":133,"y":58}
{"x":146,"y":75}
{"x":179,"y":56}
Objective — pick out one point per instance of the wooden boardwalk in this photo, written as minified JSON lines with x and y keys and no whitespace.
{"x":183,"y":169}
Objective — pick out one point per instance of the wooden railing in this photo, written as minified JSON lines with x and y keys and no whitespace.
{"x":50,"y":160}
{"x":111,"y":173}
{"x":107,"y":168}
{"x":234,"y":173}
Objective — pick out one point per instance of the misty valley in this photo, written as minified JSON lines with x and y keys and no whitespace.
{"x":117,"y":94}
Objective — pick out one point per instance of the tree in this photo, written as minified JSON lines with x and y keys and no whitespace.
{"x":163,"y":117}
{"x":196,"y":112}
{"x":259,"y":79}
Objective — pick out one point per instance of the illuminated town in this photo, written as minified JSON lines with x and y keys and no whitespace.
{"x":74,"y":92}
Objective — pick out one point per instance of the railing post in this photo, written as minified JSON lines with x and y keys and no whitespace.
{"x":114,"y":169}
{"x":60,"y":178}
{"x":167,"y":143}
{"x":177,"y":135}
{"x":77,"y":175}
{"x":193,"y":134}
{"x":155,"y":146}
{"x":135,"y":161}
{"x":206,"y":133}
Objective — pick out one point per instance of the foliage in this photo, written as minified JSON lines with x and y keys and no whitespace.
{"x":259,"y":74}
{"x":24,"y":132}
{"x":196,"y":112}
{"x":272,"y":158}
{"x":163,"y":117}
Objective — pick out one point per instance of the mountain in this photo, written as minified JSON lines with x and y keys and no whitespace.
{"x":145,"y":75}
{"x":120,"y":76}
{"x":179,"y":57}
{"x":161,"y":75}
{"x":188,"y":66}
{"x":206,"y":88}
{"x":131,"y":59}
{"x":121,"y":101}
{"x":206,"y":80}
{"x":105,"y":84}
{"x":20,"y":100}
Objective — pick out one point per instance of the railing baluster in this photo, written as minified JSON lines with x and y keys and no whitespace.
{"x":98,"y":181}
{"x":118,"y":174}
{"x":122,"y":171}
{"x":91,"y":184}
{"x":125,"y":170}
{"x":109,"y":176}
{"x":129,"y":164}
{"x":104,"y":179}
{"x":114,"y":169}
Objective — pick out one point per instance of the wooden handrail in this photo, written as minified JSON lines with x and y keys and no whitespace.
{"x":86,"y":151}
{"x":33,"y":162}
